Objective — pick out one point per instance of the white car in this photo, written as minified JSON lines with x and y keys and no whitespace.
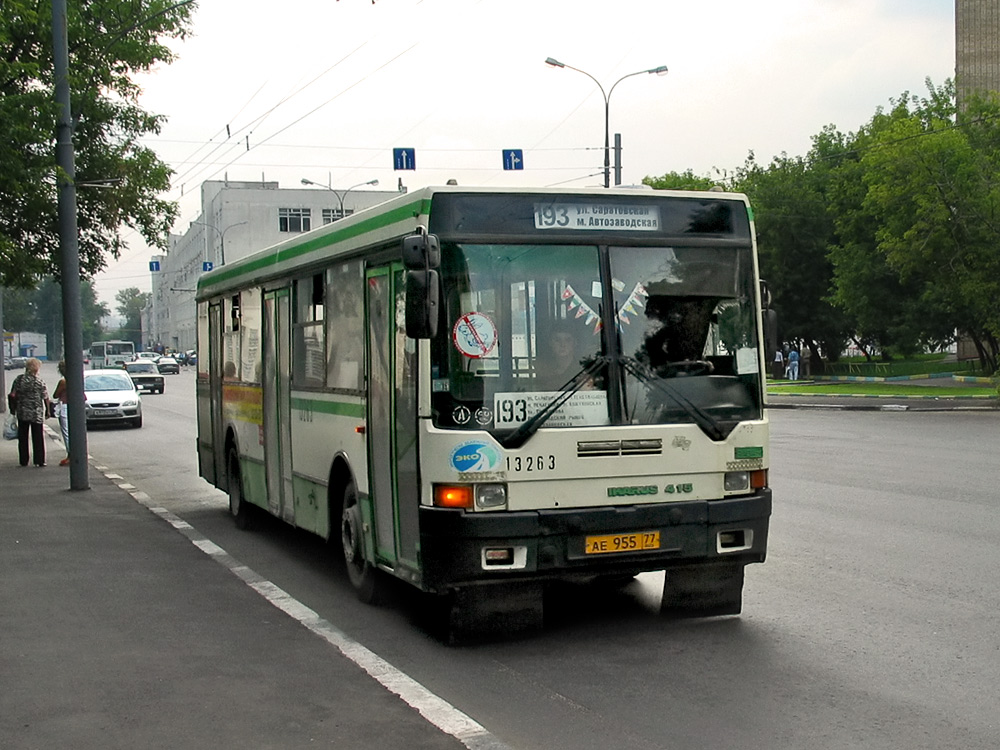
{"x":111,"y":396}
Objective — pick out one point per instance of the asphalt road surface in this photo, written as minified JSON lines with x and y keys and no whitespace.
{"x":873,"y":623}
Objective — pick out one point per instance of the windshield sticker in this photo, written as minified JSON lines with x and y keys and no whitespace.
{"x":475,"y":456}
{"x":474,"y":335}
{"x":461,"y":415}
{"x":584,"y":408}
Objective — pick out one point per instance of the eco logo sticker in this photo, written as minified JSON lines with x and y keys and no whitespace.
{"x":475,"y":456}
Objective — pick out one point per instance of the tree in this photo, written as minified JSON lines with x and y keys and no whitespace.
{"x":930,"y":188}
{"x":794,"y":230}
{"x":131,"y":303}
{"x":680,"y":181}
{"x":41,"y":310}
{"x":109,"y":43}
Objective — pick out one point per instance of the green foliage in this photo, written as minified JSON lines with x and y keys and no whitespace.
{"x":680,"y":181}
{"x":40,"y":310}
{"x":109,"y":43}
{"x":131,"y":303}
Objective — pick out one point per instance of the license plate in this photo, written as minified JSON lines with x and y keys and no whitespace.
{"x":105,"y":412}
{"x":611,"y":543}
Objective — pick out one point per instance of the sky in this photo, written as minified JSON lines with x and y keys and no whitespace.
{"x":325,"y":89}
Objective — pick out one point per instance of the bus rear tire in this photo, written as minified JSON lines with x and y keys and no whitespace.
{"x":240,"y":509}
{"x":363,"y":575}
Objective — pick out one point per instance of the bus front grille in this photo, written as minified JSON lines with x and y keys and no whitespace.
{"x":605,"y":448}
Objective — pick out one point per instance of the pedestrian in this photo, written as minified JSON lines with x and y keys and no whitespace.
{"x":31,"y":402}
{"x":793,"y":365}
{"x":778,"y":366}
{"x":61,"y":397}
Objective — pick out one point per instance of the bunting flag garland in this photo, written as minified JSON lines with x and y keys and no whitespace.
{"x":635,"y":303}
{"x":575,"y":302}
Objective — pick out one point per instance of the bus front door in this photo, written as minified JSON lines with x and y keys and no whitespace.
{"x":392,"y":420}
{"x":277,"y":409}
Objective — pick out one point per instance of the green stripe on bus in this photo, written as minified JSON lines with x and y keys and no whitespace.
{"x":754,"y":451}
{"x":337,"y":408}
{"x":257,"y":262}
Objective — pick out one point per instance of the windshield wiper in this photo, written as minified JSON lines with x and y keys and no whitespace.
{"x":708,"y":424}
{"x":521,"y":435}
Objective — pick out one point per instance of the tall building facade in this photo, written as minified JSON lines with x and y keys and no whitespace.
{"x":977,"y":47}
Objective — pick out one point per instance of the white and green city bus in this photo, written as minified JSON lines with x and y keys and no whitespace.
{"x":111,"y":354}
{"x":390,"y":380}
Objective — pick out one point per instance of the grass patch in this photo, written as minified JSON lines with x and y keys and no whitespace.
{"x":880,"y":389}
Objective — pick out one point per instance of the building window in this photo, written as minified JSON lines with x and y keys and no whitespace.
{"x":330,"y":215}
{"x":294,"y":219}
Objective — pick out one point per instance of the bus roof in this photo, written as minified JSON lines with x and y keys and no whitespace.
{"x":403,"y":215}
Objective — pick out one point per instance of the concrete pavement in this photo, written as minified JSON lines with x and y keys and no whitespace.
{"x":117,"y":632}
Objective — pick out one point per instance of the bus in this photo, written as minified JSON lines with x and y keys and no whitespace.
{"x":387,"y":382}
{"x":111,"y":354}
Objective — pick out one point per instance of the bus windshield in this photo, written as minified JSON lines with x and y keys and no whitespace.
{"x":604,"y":334}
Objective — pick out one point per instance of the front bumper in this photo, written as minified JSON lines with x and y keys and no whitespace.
{"x":550,"y":544}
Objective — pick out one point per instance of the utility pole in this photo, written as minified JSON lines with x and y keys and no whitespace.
{"x":69,"y":254}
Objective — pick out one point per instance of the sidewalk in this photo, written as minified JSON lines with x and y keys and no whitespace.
{"x":117,"y":632}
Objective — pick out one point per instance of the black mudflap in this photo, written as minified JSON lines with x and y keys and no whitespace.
{"x":703,"y":591}
{"x":495,"y":611}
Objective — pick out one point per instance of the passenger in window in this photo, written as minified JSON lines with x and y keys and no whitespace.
{"x":561,"y":357}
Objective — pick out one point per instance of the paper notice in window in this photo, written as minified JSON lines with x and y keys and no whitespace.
{"x":746,"y":361}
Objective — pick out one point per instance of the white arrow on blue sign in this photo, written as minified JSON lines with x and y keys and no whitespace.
{"x":404,"y":158}
{"x":207,"y":265}
{"x":154,"y":265}
{"x":513,"y":158}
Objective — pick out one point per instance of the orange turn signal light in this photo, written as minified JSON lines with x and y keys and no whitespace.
{"x":453,"y":496}
{"x":758,"y":479}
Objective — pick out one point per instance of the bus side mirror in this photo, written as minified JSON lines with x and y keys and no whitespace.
{"x":421,"y":252}
{"x":422,"y":301}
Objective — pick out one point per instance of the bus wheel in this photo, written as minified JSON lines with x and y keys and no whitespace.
{"x":363,"y":575}
{"x":703,"y":591}
{"x":240,"y":509}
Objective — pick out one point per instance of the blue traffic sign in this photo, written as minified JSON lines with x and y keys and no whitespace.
{"x":513,"y":158}
{"x":404,"y":158}
{"x":154,"y":265}
{"x":207,"y":265}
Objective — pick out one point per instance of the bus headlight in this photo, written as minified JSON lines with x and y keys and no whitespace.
{"x":491,"y":495}
{"x":737,"y":480}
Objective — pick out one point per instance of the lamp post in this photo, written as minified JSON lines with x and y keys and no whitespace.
{"x":341,"y":194}
{"x":222,"y":237}
{"x":661,"y":70}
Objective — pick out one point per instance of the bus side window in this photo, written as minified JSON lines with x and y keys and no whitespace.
{"x":345,"y":326}
{"x":308,"y":335}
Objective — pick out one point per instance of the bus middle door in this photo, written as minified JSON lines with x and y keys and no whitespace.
{"x":392,"y":420}
{"x":277,"y":405}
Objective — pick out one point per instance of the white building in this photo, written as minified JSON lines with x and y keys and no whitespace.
{"x":237,"y":218}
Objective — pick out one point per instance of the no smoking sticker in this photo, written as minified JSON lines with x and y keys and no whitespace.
{"x":474,"y":335}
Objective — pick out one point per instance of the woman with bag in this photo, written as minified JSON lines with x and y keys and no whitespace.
{"x":61,"y":399}
{"x":31,"y":404}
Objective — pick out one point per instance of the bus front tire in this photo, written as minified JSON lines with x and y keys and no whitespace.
{"x":238,"y":507}
{"x":363,"y":575}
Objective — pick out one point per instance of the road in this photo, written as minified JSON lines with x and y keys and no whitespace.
{"x":873,"y":624}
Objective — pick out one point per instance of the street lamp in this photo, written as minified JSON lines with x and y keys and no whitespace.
{"x":341,"y":194}
{"x":661,"y":70}
{"x":222,"y":237}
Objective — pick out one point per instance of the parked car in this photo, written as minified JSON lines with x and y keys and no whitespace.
{"x":111,"y":396}
{"x":145,"y":375}
{"x":151,"y":356}
{"x":15,"y":363}
{"x":168,"y":365}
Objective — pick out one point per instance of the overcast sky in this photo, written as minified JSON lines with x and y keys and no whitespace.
{"x":325,"y":89}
